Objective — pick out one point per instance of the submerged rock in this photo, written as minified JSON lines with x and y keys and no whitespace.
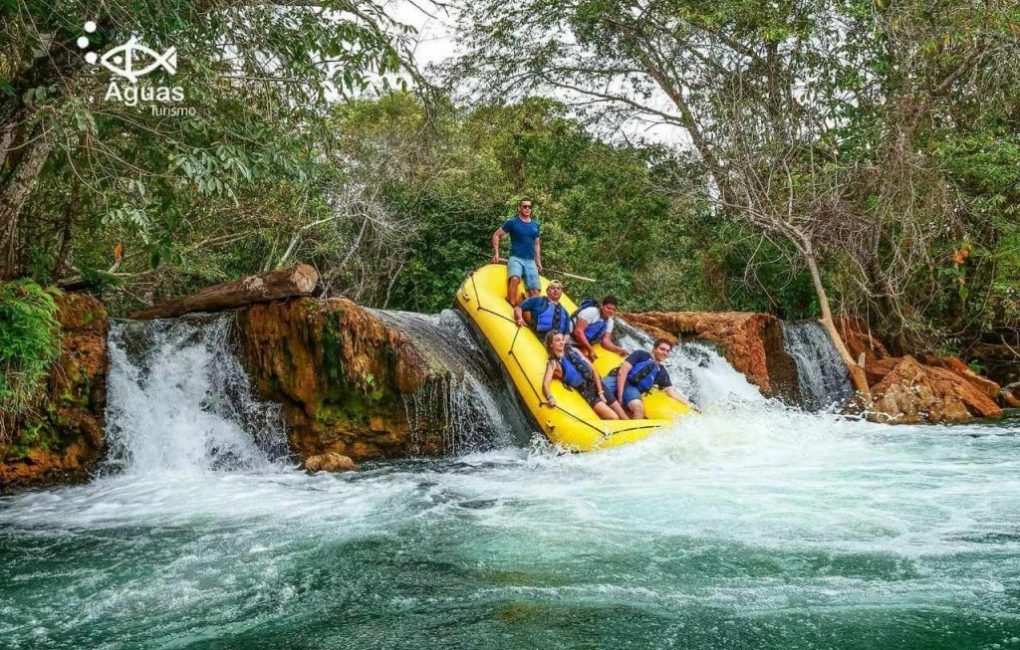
{"x":330,"y":462}
{"x":342,"y":376}
{"x":62,"y":435}
{"x":752,"y":343}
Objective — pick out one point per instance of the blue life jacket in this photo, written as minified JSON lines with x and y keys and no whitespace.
{"x":575,"y":371}
{"x":594,"y":331}
{"x":552,"y":317}
{"x":642,"y":375}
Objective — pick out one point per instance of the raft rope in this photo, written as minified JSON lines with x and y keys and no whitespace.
{"x":538,"y":395}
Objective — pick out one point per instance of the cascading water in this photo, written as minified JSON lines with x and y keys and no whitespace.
{"x":697,"y":370}
{"x":822,"y":375}
{"x":179,"y":401}
{"x":477,"y":410}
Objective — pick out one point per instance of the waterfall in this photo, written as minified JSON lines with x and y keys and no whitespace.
{"x":822,"y":376}
{"x":180,"y":401}
{"x":477,"y":407}
{"x":696,"y":369}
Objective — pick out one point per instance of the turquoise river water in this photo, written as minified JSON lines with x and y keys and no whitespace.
{"x":739,"y":530}
{"x":750,"y":527}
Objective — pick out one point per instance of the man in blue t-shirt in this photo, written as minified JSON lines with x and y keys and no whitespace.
{"x":637,"y":375}
{"x":525,"y":252}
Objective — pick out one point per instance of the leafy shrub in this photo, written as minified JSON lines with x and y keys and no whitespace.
{"x":29,"y":341}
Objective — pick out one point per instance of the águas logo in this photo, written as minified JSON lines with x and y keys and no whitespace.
{"x":132,"y":61}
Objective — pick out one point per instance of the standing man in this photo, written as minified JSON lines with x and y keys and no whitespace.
{"x":593,"y":324}
{"x":525,"y":252}
{"x":638,"y":373}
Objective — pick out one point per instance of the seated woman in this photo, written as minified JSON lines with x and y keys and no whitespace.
{"x":576,"y":372}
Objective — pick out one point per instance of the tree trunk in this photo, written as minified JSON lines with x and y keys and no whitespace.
{"x":6,"y":141}
{"x":274,"y":285}
{"x":15,"y":194}
{"x":857,"y":376}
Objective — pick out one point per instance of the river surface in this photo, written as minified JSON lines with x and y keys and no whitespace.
{"x":743,"y":528}
{"x":753,"y":526}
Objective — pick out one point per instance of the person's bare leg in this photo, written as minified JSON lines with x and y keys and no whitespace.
{"x":533,"y":292}
{"x":512,"y":288}
{"x":618,"y":409}
{"x":605,"y":412}
{"x":637,"y":409}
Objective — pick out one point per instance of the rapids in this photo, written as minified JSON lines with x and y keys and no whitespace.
{"x":751,"y":526}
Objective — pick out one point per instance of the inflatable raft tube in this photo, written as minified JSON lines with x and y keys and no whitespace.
{"x":572,"y":423}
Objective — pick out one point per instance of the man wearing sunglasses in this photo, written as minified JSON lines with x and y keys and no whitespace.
{"x":525,"y":252}
{"x":637,"y":375}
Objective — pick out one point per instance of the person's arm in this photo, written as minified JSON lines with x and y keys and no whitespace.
{"x":519,"y":316}
{"x":621,"y":380}
{"x":582,"y":340}
{"x":607,"y":343}
{"x":496,"y":236}
{"x":675,"y":394}
{"x":550,"y":368}
{"x":538,"y":253}
{"x":672,"y":392}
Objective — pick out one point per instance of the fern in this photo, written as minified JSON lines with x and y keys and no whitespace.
{"x":29,"y":342}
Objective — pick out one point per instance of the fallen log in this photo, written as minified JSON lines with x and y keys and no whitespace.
{"x":274,"y":285}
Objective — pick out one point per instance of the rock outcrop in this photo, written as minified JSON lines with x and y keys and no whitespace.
{"x":330,"y":462}
{"x":911,"y":392}
{"x":1010,"y":395}
{"x":752,"y":343}
{"x":962,"y":370}
{"x":905,"y":390}
{"x":859,"y":341}
{"x":342,"y":376}
{"x":62,"y":435}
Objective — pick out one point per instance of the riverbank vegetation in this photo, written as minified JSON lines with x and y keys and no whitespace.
{"x":860,"y":153}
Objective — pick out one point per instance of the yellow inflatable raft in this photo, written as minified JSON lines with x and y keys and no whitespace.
{"x":571,"y":423}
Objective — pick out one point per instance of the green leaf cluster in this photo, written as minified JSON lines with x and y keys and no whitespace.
{"x":29,"y":342}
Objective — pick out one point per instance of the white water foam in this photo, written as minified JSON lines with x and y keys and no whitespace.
{"x":179,"y":402}
{"x":698,"y":371}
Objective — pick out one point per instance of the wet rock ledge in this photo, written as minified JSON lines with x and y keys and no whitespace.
{"x":342,"y":376}
{"x":62,"y":436}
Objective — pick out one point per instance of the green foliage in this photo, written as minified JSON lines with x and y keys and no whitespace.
{"x":257,"y":81}
{"x":600,"y":207}
{"x":876,"y":139}
{"x":894,"y":126}
{"x":29,"y":342}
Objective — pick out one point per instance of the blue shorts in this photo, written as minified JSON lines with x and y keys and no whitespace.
{"x":517,"y":267}
{"x":629,"y":392}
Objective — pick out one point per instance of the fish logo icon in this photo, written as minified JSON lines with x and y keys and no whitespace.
{"x":128,"y":60}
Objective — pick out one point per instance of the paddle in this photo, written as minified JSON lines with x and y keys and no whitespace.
{"x":563,"y":273}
